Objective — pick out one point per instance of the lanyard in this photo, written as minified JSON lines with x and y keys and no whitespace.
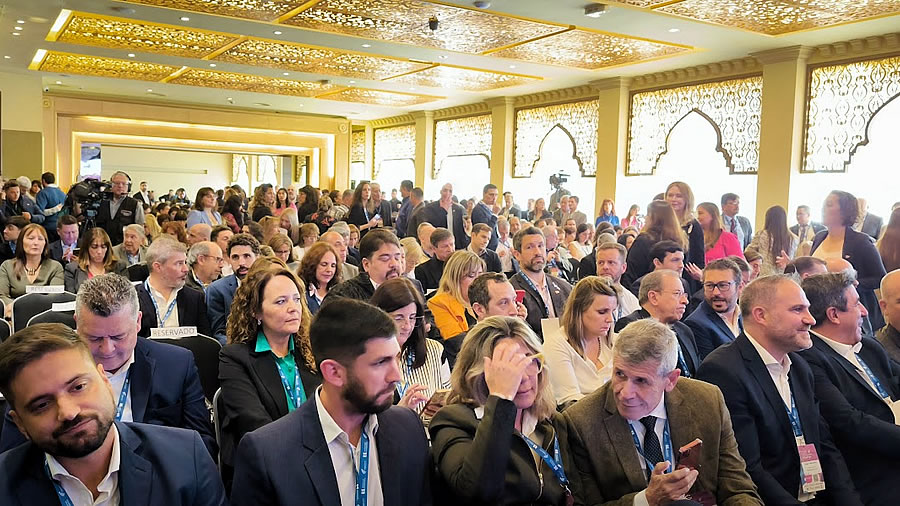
{"x":878,"y":386}
{"x":668,"y":453}
{"x":295,"y":395}
{"x":555,"y":463}
{"x":533,"y":287}
{"x":407,"y":380}
{"x":64,"y":499}
{"x":682,"y":363}
{"x":123,"y":396}
{"x":362,"y":475}
{"x":160,"y":320}
{"x":794,"y":415}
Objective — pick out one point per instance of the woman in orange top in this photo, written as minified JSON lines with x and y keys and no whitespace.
{"x":450,"y":305}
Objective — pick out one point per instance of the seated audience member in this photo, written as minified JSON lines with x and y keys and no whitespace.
{"x":175,"y":229}
{"x":755,"y":260}
{"x":267,"y":339}
{"x":664,"y":255}
{"x":662,"y":298}
{"x":662,"y":411}
{"x":309,"y":235}
{"x":423,"y":234}
{"x":94,"y":258}
{"x":164,"y":300}
{"x":288,"y":220}
{"x":610,"y":262}
{"x":352,"y":441}
{"x":718,"y":242}
{"x":63,"y":249}
{"x":499,"y":440}
{"x":255,"y":229}
{"x":442,"y":244}
{"x":152,"y":383}
{"x":413,"y":256}
{"x":769,"y":391}
{"x":11,"y":230}
{"x":32,"y":265}
{"x":205,"y":260}
{"x":18,"y":205}
{"x":283,"y":248}
{"x":336,"y":240}
{"x":423,"y":368}
{"x":481,"y":235}
{"x":855,"y":383}
{"x":744,"y":268}
{"x":233,"y":213}
{"x":320,"y":271}
{"x":806,"y":266}
{"x":545,"y":295}
{"x":581,"y":246}
{"x":382,"y":260}
{"x":450,"y":304}
{"x":78,"y":451}
{"x":717,"y":320}
{"x":579,"y":356}
{"x":198,"y":233}
{"x":242,"y":252}
{"x":889,"y":335}
{"x":204,"y":210}
{"x":558,"y":260}
{"x":132,"y":250}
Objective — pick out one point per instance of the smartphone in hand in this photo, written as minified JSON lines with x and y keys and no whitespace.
{"x":689,"y":455}
{"x":520,"y":296}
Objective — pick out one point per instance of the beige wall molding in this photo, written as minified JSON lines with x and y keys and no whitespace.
{"x":403,"y":119}
{"x":463,"y":111}
{"x":879,"y":45}
{"x":691,"y":75}
{"x":575,"y":93}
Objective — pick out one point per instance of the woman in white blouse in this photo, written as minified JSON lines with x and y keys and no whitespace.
{"x":579,"y":355}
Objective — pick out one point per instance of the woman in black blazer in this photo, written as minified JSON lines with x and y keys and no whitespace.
{"x":267,"y":369}
{"x":484,"y":440}
{"x":662,"y":224}
{"x":680,"y":196}
{"x":839,"y":240}
{"x":359,"y":216}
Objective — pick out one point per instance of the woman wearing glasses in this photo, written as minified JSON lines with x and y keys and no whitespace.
{"x":498,"y":440}
{"x":422,"y":366}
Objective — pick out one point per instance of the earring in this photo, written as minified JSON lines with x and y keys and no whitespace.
{"x":258,"y":322}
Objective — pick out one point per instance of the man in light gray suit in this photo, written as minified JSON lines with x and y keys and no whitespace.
{"x":132,"y":250}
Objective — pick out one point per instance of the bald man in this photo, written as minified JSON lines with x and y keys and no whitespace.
{"x":198,"y":233}
{"x":336,"y":240}
{"x":889,"y":335}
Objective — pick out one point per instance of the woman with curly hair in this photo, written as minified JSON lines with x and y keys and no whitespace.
{"x":176,"y":230}
{"x":267,"y":369}
{"x":320,"y":269}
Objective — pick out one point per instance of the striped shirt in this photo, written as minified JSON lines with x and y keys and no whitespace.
{"x":434,"y":374}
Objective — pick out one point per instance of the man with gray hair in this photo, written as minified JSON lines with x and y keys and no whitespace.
{"x":119,"y":211}
{"x":625,"y":434}
{"x":337,"y":241}
{"x":152,"y":382}
{"x":205,"y":261}
{"x":132,"y":250}
{"x":198,"y":233}
{"x":164,"y":300}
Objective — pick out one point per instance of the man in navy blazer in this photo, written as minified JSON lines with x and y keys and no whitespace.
{"x":483,"y":212}
{"x":312,"y":455}
{"x":242,"y":252}
{"x":761,"y":376}
{"x":437,"y":212}
{"x":717,"y":320}
{"x":856,"y":384}
{"x":78,"y":453}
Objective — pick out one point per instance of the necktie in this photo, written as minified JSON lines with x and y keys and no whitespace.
{"x":733,"y":225}
{"x":803,"y":233}
{"x":652,"y":449}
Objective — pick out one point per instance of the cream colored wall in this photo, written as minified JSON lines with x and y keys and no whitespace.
{"x":20,"y":125}
{"x":165,"y":169}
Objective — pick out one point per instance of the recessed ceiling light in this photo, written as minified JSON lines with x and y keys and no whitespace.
{"x":512,"y":66}
{"x":285,"y":73}
{"x":149,"y":90}
{"x":412,"y":89}
{"x":595,"y":10}
{"x":18,"y":28}
{"x":58,"y":82}
{"x":16,"y":33}
{"x":185,"y":18}
{"x":20,"y":21}
{"x":131,"y":55}
{"x":6,"y":57}
{"x":212,"y":64}
{"x":277,"y":32}
{"x":674,"y":30}
{"x":351,"y":82}
{"x":367,"y":45}
{"x":443,"y":57}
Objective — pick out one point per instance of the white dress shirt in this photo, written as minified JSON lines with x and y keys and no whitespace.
{"x":571,"y":375}
{"x":162,"y":306}
{"x":79,"y":494}
{"x":661,"y":417}
{"x":733,"y":323}
{"x":849,"y":352}
{"x":506,"y":258}
{"x":117,"y":380}
{"x":345,"y":457}
{"x":629,"y":303}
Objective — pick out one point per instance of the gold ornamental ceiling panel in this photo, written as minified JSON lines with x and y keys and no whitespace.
{"x":460,"y":78}
{"x":118,"y":33}
{"x":378,"y":97}
{"x":247,"y":82}
{"x":589,"y":50}
{"x":259,"y":10}
{"x":319,"y":60}
{"x":406,"y":21}
{"x":66,"y":63}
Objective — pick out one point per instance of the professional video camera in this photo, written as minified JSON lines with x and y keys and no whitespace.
{"x":84,"y":200}
{"x":557,"y":180}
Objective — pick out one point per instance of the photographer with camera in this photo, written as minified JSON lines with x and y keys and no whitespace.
{"x":121,"y":210}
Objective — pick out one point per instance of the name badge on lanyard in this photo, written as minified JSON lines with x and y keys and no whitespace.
{"x":812,"y":479}
{"x":123,"y":396}
{"x":362,"y":473}
{"x":296,"y":395}
{"x":160,"y":319}
{"x":61,"y":493}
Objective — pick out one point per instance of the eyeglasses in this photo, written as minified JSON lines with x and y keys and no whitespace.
{"x":412,"y":320}
{"x":723,"y":286}
{"x":217,"y":259}
{"x":536,"y":365}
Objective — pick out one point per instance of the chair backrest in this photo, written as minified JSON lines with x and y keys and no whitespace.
{"x":30,"y":304}
{"x":206,"y":356}
{"x":137,"y":272}
{"x":50,"y":316}
{"x":5,"y":331}
{"x":217,"y":426}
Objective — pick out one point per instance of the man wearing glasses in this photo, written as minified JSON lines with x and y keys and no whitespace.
{"x":121,"y":210}
{"x":717,"y":320}
{"x":205,"y":260}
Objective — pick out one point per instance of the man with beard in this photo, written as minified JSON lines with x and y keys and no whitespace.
{"x":717,"y":320}
{"x":382,"y":260}
{"x":545,"y":295}
{"x":350,"y":445}
{"x":769,"y":391}
{"x":242,"y":252}
{"x":77,"y":453}
{"x":164,"y":300}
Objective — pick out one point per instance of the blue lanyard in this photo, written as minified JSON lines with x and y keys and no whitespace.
{"x":160,"y":320}
{"x":555,"y":463}
{"x":682,"y":363}
{"x":407,"y":380}
{"x":668,"y":453}
{"x":362,"y":475}
{"x":794,"y":415}
{"x":64,"y":499}
{"x":533,"y":287}
{"x":878,"y":386}
{"x":295,"y":395}
{"x":123,"y":396}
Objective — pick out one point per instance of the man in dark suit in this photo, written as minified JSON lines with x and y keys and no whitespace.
{"x":446,"y":213}
{"x":545,"y":295}
{"x":416,"y":211}
{"x":242,"y":252}
{"x":483,"y":212}
{"x":805,"y":229}
{"x":769,"y":390}
{"x":430,"y":272}
{"x":646,"y":401}
{"x":164,"y":300}
{"x":856,"y":385}
{"x":509,"y":207}
{"x":352,"y":408}
{"x":889,"y":335}
{"x":65,"y":404}
{"x":142,"y":196}
{"x":737,"y":225}
{"x":481,"y":235}
{"x":382,"y":205}
{"x":382,"y":260}
{"x":868,"y":223}
{"x":717,"y":320}
{"x":403,"y":214}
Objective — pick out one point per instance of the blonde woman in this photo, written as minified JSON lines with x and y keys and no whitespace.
{"x":413,"y":255}
{"x":681,"y":198}
{"x":288,"y":221}
{"x":579,"y":355}
{"x":450,"y":305}
{"x":151,"y":227}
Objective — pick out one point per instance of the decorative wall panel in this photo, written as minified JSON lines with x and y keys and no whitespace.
{"x":67,"y":63}
{"x":377,"y":97}
{"x":842,"y":101}
{"x":458,"y":78}
{"x":358,"y":146}
{"x":260,"y":10}
{"x":578,"y":119}
{"x":394,"y":143}
{"x":462,"y":136}
{"x":734,"y":106}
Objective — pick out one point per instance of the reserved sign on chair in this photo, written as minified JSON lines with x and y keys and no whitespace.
{"x":172,"y":332}
{"x":45,"y":289}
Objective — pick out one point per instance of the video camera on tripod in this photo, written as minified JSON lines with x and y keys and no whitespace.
{"x":84,"y":200}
